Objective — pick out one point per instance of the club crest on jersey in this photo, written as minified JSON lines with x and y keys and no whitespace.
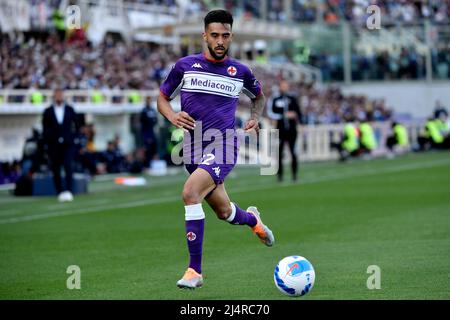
{"x":232,"y":71}
{"x":217,"y":171}
{"x":191,"y":236}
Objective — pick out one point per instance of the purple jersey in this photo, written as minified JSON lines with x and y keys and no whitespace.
{"x":209,"y":93}
{"x":210,"y":89}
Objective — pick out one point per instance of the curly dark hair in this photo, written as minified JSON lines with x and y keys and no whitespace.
{"x":221,"y":16}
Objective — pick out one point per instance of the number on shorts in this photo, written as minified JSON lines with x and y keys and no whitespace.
{"x":207,"y":158}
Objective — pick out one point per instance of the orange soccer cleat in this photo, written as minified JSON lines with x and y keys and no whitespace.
{"x":191,"y":279}
{"x":262,"y":231}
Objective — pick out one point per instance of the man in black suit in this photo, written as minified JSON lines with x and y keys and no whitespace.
{"x":285,"y":110}
{"x":60,"y":128}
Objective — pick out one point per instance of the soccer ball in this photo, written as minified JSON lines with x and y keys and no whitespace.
{"x":294,"y":276}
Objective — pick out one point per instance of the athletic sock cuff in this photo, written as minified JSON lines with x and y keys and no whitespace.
{"x":233,"y":212}
{"x":194,"y":212}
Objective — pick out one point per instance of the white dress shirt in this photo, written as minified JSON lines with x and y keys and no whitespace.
{"x":59,"y":113}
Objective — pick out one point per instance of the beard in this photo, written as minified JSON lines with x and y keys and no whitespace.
{"x":215,"y":55}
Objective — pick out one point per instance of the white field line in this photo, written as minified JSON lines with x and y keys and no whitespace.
{"x":10,"y":212}
{"x":56,"y":207}
{"x":97,"y":203}
{"x":60,"y":206}
{"x":132,"y":204}
{"x":17,"y":199}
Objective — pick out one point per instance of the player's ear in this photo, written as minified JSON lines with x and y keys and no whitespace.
{"x":204,"y":36}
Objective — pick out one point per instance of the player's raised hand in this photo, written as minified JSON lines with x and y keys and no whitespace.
{"x":183,"y":120}
{"x":252,"y":124}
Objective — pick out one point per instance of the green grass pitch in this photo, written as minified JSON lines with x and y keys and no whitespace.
{"x":129,"y":242}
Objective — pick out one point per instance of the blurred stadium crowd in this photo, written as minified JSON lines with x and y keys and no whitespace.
{"x":331,"y":11}
{"x":51,"y":60}
{"x":48,"y":63}
{"x":405,"y":62}
{"x":319,"y":105}
{"x":45,"y":62}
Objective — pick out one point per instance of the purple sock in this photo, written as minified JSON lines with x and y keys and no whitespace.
{"x":195,"y":225}
{"x":194,"y":235}
{"x":241,"y":217}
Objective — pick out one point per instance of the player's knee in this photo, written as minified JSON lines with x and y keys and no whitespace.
{"x":223,"y":212}
{"x":190,"y":196}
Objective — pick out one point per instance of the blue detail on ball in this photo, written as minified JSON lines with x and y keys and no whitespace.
{"x":281,"y":283}
{"x":299,"y":266}
{"x":306,"y":289}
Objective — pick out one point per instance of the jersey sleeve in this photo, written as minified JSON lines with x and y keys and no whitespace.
{"x":173,"y":82}
{"x":252,"y":88}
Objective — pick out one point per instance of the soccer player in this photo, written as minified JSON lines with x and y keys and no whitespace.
{"x":209,"y":84}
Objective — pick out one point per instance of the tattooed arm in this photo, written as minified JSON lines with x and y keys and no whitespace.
{"x":256,"y":111}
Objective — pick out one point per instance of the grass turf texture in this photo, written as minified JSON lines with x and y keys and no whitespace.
{"x":129,"y":242}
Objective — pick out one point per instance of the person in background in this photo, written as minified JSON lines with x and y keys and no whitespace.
{"x":284,"y":109}
{"x":149,"y":119}
{"x":434,"y":135}
{"x":113,"y":158}
{"x":60,"y":129}
{"x":439,"y":110}
{"x":86,"y":155}
{"x":398,"y":138}
{"x":443,"y":124}
{"x":349,"y":144}
{"x":367,"y":140}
